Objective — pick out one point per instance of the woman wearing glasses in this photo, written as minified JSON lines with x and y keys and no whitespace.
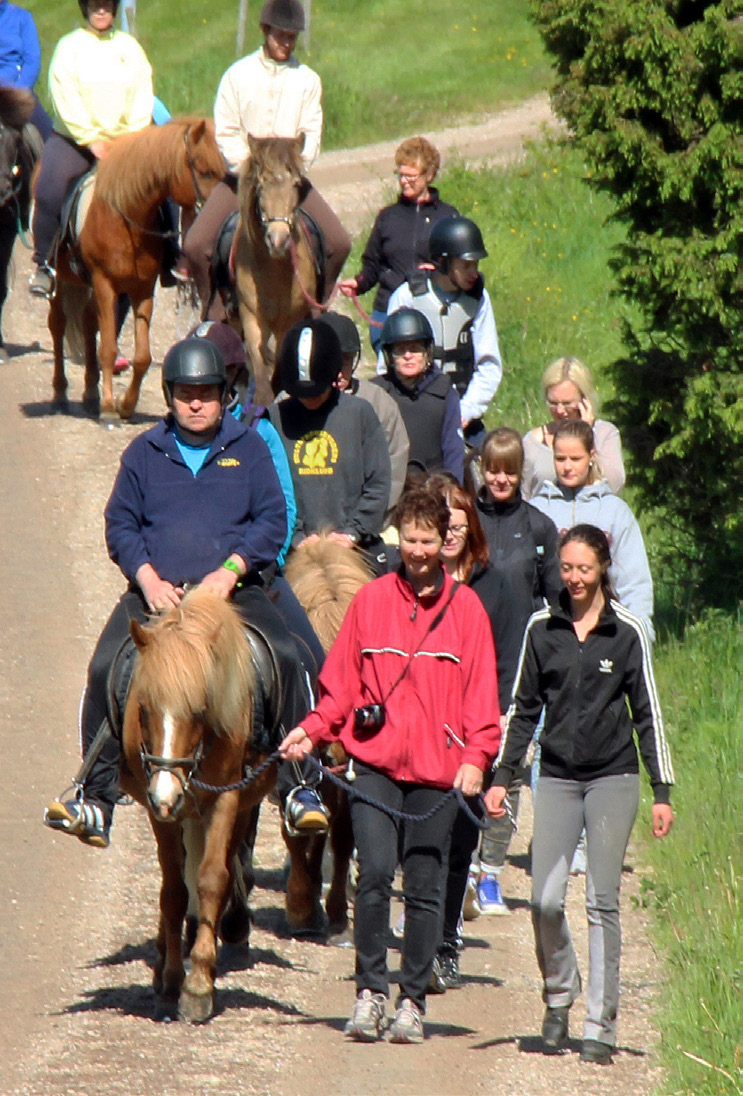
{"x":399,"y":239}
{"x":570,"y":394}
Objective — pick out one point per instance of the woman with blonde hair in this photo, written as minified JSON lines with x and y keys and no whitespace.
{"x":570,"y":394}
{"x":398,"y":242}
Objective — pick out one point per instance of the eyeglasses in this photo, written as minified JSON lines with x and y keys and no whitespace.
{"x":458,"y":530}
{"x":406,"y":177}
{"x":567,"y":405}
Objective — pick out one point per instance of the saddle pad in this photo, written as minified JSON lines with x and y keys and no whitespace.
{"x":85,"y":196}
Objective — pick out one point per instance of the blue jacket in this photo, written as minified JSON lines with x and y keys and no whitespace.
{"x":186,"y":525}
{"x":20,"y":52}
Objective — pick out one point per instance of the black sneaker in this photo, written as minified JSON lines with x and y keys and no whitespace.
{"x":555,"y":1028}
{"x":596,"y":1052}
{"x":305,"y":812}
{"x":449,"y":967}
{"x":436,"y":983}
{"x":41,"y":283}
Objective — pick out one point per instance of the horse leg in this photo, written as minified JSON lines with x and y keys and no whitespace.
{"x":304,"y":885}
{"x":234,"y":928}
{"x":256,"y":339}
{"x":341,"y":841}
{"x":105,"y":304}
{"x":197,"y":995}
{"x":169,"y":972}
{"x":7,"y":239}
{"x":57,"y":323}
{"x":142,"y":311}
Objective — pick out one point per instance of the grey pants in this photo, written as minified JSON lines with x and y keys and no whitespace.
{"x":606,"y":807}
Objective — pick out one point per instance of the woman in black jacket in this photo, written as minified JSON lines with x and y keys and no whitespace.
{"x":585,"y":659}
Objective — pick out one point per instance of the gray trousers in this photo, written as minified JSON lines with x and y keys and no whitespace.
{"x":606,"y":807}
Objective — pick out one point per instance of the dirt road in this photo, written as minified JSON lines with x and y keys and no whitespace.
{"x":77,"y":924}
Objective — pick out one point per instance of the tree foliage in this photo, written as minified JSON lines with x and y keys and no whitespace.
{"x":651,"y":92}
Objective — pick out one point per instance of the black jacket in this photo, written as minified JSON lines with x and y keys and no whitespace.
{"x":585,"y":688}
{"x":398,"y":243}
{"x":494,"y":591}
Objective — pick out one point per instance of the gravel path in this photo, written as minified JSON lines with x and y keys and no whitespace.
{"x":77,"y":924}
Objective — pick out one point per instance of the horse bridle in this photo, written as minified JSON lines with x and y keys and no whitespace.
{"x":153,"y":765}
{"x":200,"y":199}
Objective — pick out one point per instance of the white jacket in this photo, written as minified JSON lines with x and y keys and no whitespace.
{"x":267,"y":98}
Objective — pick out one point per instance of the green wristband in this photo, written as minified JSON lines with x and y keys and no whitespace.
{"x":232,"y":566}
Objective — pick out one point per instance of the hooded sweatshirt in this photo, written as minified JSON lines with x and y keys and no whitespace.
{"x":596,"y":504}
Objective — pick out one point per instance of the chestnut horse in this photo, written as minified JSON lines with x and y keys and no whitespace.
{"x":325,"y":578}
{"x":120,"y":245}
{"x":188,"y":717}
{"x":18,"y":153}
{"x":273,"y":257}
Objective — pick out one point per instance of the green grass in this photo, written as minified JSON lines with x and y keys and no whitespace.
{"x":694,"y":888}
{"x":389,"y":67}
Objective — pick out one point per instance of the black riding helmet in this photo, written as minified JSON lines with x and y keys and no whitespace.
{"x":283,"y":14}
{"x":193,"y":361}
{"x":347,"y":332}
{"x":405,"y":325}
{"x":310,"y":359}
{"x":455,"y":237}
{"x":84,"y":7}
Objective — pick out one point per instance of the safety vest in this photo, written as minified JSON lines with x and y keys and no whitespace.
{"x":422,"y":412}
{"x":451,"y":325}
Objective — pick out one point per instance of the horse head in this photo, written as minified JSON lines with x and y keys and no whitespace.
{"x":16,"y":105}
{"x":271,"y":187}
{"x":190,"y":701}
{"x":201,"y":165}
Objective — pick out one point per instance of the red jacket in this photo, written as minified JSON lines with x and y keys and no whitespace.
{"x":445,"y":709}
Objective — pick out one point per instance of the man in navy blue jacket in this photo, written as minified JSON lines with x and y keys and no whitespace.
{"x":197,"y":500}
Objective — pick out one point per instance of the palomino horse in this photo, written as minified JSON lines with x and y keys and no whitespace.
{"x":120,"y":245}
{"x":273,"y":257}
{"x":325,"y":578}
{"x":18,"y":154}
{"x":188,"y":717}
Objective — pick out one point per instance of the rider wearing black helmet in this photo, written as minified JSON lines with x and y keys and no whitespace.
{"x":336,"y":448}
{"x":428,"y":402}
{"x":196,"y":500}
{"x":454,"y":299}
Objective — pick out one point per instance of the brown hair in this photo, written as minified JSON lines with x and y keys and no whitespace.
{"x":475,"y":546}
{"x":597,"y":540}
{"x":417,"y":150}
{"x":582,"y":432}
{"x":503,"y":448}
{"x":424,"y":507}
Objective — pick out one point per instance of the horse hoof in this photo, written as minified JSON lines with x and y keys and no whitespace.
{"x":314,"y":928}
{"x":166,"y":1008}
{"x":60,"y":406}
{"x":234,"y":928}
{"x":108,"y":415}
{"x":4,"y":355}
{"x":195,"y":1009}
{"x":92,"y":406}
{"x":340,"y":938}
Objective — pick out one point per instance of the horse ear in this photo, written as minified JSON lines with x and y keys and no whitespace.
{"x":138,"y":634}
{"x":198,"y":129}
{"x":299,"y":141}
{"x":252,"y":145}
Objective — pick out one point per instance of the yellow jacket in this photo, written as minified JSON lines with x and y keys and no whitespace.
{"x":99,"y":87}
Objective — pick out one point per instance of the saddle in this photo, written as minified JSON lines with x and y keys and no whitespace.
{"x":222,"y":267}
{"x":74,"y":211}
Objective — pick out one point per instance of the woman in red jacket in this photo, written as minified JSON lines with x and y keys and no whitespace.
{"x":410,"y":690}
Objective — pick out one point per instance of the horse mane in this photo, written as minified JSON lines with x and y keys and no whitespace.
{"x":325,"y":578}
{"x":138,"y":160}
{"x":16,"y":105}
{"x":198,"y":660}
{"x":271,"y":158}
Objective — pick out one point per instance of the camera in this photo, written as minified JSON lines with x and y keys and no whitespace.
{"x":370,"y":718}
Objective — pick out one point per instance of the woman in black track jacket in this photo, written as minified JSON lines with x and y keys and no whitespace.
{"x":585,"y":659}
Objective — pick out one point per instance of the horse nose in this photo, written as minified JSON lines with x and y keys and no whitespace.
{"x":278,"y":238}
{"x":165,"y":797}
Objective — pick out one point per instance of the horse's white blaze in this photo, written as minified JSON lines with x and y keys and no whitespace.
{"x":165,"y":786}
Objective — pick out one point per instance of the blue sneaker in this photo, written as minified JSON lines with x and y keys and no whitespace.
{"x":80,"y":819}
{"x":305,"y":812}
{"x":489,"y":897}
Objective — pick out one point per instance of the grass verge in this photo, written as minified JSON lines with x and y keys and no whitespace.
{"x":693,"y":889}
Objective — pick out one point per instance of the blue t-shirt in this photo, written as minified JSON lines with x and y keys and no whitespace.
{"x":193,"y":455}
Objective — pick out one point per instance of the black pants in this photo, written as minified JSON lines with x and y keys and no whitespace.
{"x":424,"y":852}
{"x":102,"y":783}
{"x":62,"y":163}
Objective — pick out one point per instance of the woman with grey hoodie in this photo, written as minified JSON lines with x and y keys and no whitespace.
{"x":579,"y":495}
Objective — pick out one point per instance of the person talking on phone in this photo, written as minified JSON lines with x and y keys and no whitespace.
{"x":410,"y":689}
{"x":570,"y":393}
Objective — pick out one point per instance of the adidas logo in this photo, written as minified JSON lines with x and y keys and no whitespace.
{"x":606,"y":665}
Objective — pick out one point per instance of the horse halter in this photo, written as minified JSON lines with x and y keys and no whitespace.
{"x":200,"y":199}
{"x":153,"y":764}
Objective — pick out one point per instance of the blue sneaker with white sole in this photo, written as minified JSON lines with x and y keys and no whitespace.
{"x":489,"y":897}
{"x":85,"y":821}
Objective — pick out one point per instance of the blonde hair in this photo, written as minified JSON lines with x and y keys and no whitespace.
{"x":417,"y":150}
{"x":571,"y":369}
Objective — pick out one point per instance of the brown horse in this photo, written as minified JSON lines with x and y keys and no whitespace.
{"x":120,"y":245}
{"x":273,"y":258}
{"x":19,"y":149}
{"x":189,"y":711}
{"x":325,"y":578}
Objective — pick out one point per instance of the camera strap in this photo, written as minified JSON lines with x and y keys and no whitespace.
{"x":434,"y":624}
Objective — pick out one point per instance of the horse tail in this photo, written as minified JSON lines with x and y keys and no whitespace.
{"x":325,"y":578}
{"x":74,"y":299}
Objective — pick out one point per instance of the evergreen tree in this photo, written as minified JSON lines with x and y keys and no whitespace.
{"x":651,"y":91}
